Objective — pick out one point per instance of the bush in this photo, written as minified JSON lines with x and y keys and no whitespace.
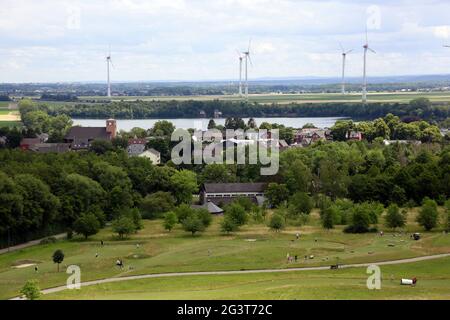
{"x":170,"y":220}
{"x":300,"y":203}
{"x":228,"y":225}
{"x":428,"y":215}
{"x":193,"y":224}
{"x":236,"y":213}
{"x":31,"y":290}
{"x":123,"y":226}
{"x":394,"y":218}
{"x":276,"y":222}
{"x":154,"y":205}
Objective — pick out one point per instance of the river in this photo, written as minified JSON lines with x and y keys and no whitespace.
{"x":127,"y":125}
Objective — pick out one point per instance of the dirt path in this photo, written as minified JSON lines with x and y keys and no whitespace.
{"x":30,"y":243}
{"x":209,"y":273}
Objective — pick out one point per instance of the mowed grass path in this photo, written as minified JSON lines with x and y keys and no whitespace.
{"x":254,"y":247}
{"x":433,"y":283}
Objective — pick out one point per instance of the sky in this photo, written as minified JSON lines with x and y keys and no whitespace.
{"x":190,"y":40}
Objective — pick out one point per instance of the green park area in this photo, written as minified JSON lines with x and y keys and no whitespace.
{"x":153,"y":250}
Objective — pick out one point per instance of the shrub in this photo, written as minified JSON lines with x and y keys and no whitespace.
{"x":31,"y":290}
{"x":276,"y":222}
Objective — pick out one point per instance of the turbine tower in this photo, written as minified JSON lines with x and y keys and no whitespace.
{"x":344,"y":57}
{"x":241,"y":58}
{"x":366,"y":48}
{"x":247,"y":60}
{"x":108,"y":65}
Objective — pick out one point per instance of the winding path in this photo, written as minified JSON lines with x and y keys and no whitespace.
{"x":208,"y":273}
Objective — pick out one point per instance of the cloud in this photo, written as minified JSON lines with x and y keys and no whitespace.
{"x":67,"y":40}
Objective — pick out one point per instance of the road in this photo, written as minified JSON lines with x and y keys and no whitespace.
{"x":213,"y":273}
{"x":30,"y":243}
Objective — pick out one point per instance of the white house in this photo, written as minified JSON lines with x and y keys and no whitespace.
{"x":153,"y":155}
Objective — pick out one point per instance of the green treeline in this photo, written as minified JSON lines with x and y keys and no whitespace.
{"x":416,"y":109}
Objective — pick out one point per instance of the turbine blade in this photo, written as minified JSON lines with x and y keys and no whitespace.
{"x":372,"y":50}
{"x":342,"y":48}
{"x":349,"y":51}
{"x":249,"y":45}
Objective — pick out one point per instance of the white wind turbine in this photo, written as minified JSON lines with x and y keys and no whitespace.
{"x":344,"y":58}
{"x":247,"y":60}
{"x":241,"y":58}
{"x":108,"y":65}
{"x":366,"y":48}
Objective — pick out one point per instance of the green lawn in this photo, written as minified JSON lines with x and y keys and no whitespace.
{"x":10,"y":124}
{"x":254,"y":247}
{"x":433,"y":283}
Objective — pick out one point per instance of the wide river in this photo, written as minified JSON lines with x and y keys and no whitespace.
{"x":127,"y":125}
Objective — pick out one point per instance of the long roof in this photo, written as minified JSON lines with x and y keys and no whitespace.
{"x":234,"y":187}
{"x":89,"y":133}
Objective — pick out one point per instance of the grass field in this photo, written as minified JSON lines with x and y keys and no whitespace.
{"x":433,"y":283}
{"x":299,"y":98}
{"x":254,"y":247}
{"x":10,"y":124}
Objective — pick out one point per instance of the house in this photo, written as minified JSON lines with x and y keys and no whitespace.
{"x":308,"y":136}
{"x":136,"y":146}
{"x":210,"y":206}
{"x":217,"y":114}
{"x":354,"y":136}
{"x":82,"y":137}
{"x":223,"y":193}
{"x":51,"y":147}
{"x":29,"y":143}
{"x":3,"y":140}
{"x":153,"y":155}
{"x":202,"y":114}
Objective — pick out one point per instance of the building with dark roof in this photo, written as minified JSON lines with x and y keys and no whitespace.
{"x":223,"y":193}
{"x":210,"y":206}
{"x":82,"y":137}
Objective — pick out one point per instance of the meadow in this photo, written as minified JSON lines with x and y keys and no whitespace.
{"x":154,"y":250}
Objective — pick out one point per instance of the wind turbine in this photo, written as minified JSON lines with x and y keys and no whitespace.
{"x":247,"y":60}
{"x":108,"y":64}
{"x":366,"y":48}
{"x":344,"y":57}
{"x":241,"y":58}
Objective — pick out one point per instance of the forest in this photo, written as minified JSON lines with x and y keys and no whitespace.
{"x":415,"y":110}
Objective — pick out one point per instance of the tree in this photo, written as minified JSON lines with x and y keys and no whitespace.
{"x":154,"y":205}
{"x":101,"y":146}
{"x":300,"y":203}
{"x":341,"y":128}
{"x":428,"y":215}
{"x":193,"y":223}
{"x":58,"y":257}
{"x":211,"y":124}
{"x":31,"y":290}
{"x":360,"y":220}
{"x":236,"y":213}
{"x":40,"y":206}
{"x":162,"y":128}
{"x":394,"y":218}
{"x":184,"y":185}
{"x":87,"y":225}
{"x":218,"y":173}
{"x":170,"y":220}
{"x":276,"y":194}
{"x":123,"y":226}
{"x":329,"y":216}
{"x":228,"y":225}
{"x":447,"y":221}
{"x":276,"y":222}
